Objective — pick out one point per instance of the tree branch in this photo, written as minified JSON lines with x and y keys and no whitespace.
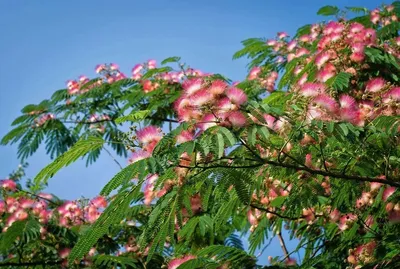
{"x":283,"y":246}
{"x":23,"y":264}
{"x":275,"y":213}
{"x":335,"y":175}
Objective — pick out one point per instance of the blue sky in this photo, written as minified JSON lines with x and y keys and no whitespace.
{"x":44,"y":43}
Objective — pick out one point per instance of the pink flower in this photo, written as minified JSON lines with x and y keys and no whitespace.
{"x":291,"y":45}
{"x":375,"y":85}
{"x":302,"y":51}
{"x":217,"y":87}
{"x":139,"y":155}
{"x":375,"y":18}
{"x":350,"y":114}
{"x":324,"y":74}
{"x":271,"y":42}
{"x":310,"y":89}
{"x":388,"y":192}
{"x":357,"y":57}
{"x":184,"y":136}
{"x":334,"y":215}
{"x":237,"y":119}
{"x":282,"y":35}
{"x":136,"y":69}
{"x":254,"y":73}
{"x":151,"y":64}
{"x":270,"y":120}
{"x":358,"y":47}
{"x":149,"y":134}
{"x":99,"y":202}
{"x":224,"y":104}
{"x":173,"y":264}
{"x":208,"y":121}
{"x":251,"y":218}
{"x":8,"y":184}
{"x":346,"y":220}
{"x":114,"y":66}
{"x":333,"y":27}
{"x":322,"y":58}
{"x":346,"y":101}
{"x":326,"y":102}
{"x":237,"y":96}
{"x":201,"y":97}
{"x":375,"y":186}
{"x":64,"y":253}
{"x":99,"y":68}
{"x":192,"y":85}
{"x":392,"y":95}
{"x":2,"y":207}
{"x":356,"y":27}
{"x":26,"y":203}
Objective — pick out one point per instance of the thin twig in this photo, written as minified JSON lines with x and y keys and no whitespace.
{"x":112,"y":157}
{"x":264,"y":248}
{"x":38,"y":196}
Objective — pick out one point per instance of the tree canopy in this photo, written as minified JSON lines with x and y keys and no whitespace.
{"x":307,"y":143}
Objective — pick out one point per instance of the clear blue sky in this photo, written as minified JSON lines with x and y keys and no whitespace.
{"x":44,"y":43}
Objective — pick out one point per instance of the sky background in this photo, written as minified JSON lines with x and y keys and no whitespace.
{"x":45,"y":43}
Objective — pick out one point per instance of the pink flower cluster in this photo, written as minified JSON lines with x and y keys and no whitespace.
{"x":265,"y":81}
{"x":71,"y":213}
{"x":43,"y":119}
{"x":211,"y":103}
{"x":110,"y":72}
{"x":358,"y":105}
{"x":97,"y":122}
{"x":362,"y":254}
{"x":76,"y":86}
{"x":175,"y":263}
{"x":19,"y":208}
{"x":148,"y":137}
{"x":384,"y":16}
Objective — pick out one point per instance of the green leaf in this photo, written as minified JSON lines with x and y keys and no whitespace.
{"x":304,"y":30}
{"x":340,"y":81}
{"x":344,"y":128}
{"x":358,"y":9}
{"x":264,"y":132}
{"x":122,"y":176}
{"x":174,"y":59}
{"x":278,"y":201}
{"x":229,"y":136}
{"x":135,"y":116}
{"x":17,"y":230}
{"x":328,"y":11}
{"x":15,"y":134}
{"x":251,"y":137}
{"x":221,"y":144}
{"x":275,"y":98}
{"x":80,"y":149}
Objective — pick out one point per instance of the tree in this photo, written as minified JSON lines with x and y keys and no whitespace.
{"x":309,"y":142}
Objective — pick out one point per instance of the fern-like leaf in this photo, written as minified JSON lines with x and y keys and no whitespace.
{"x":80,"y":149}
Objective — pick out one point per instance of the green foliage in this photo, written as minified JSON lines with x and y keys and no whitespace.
{"x":27,"y":230}
{"x":108,"y":261}
{"x":171,"y":60}
{"x":80,"y":149}
{"x":134,"y":116}
{"x":340,"y":82}
{"x":328,"y":11}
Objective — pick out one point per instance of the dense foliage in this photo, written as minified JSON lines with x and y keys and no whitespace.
{"x":309,"y":142}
